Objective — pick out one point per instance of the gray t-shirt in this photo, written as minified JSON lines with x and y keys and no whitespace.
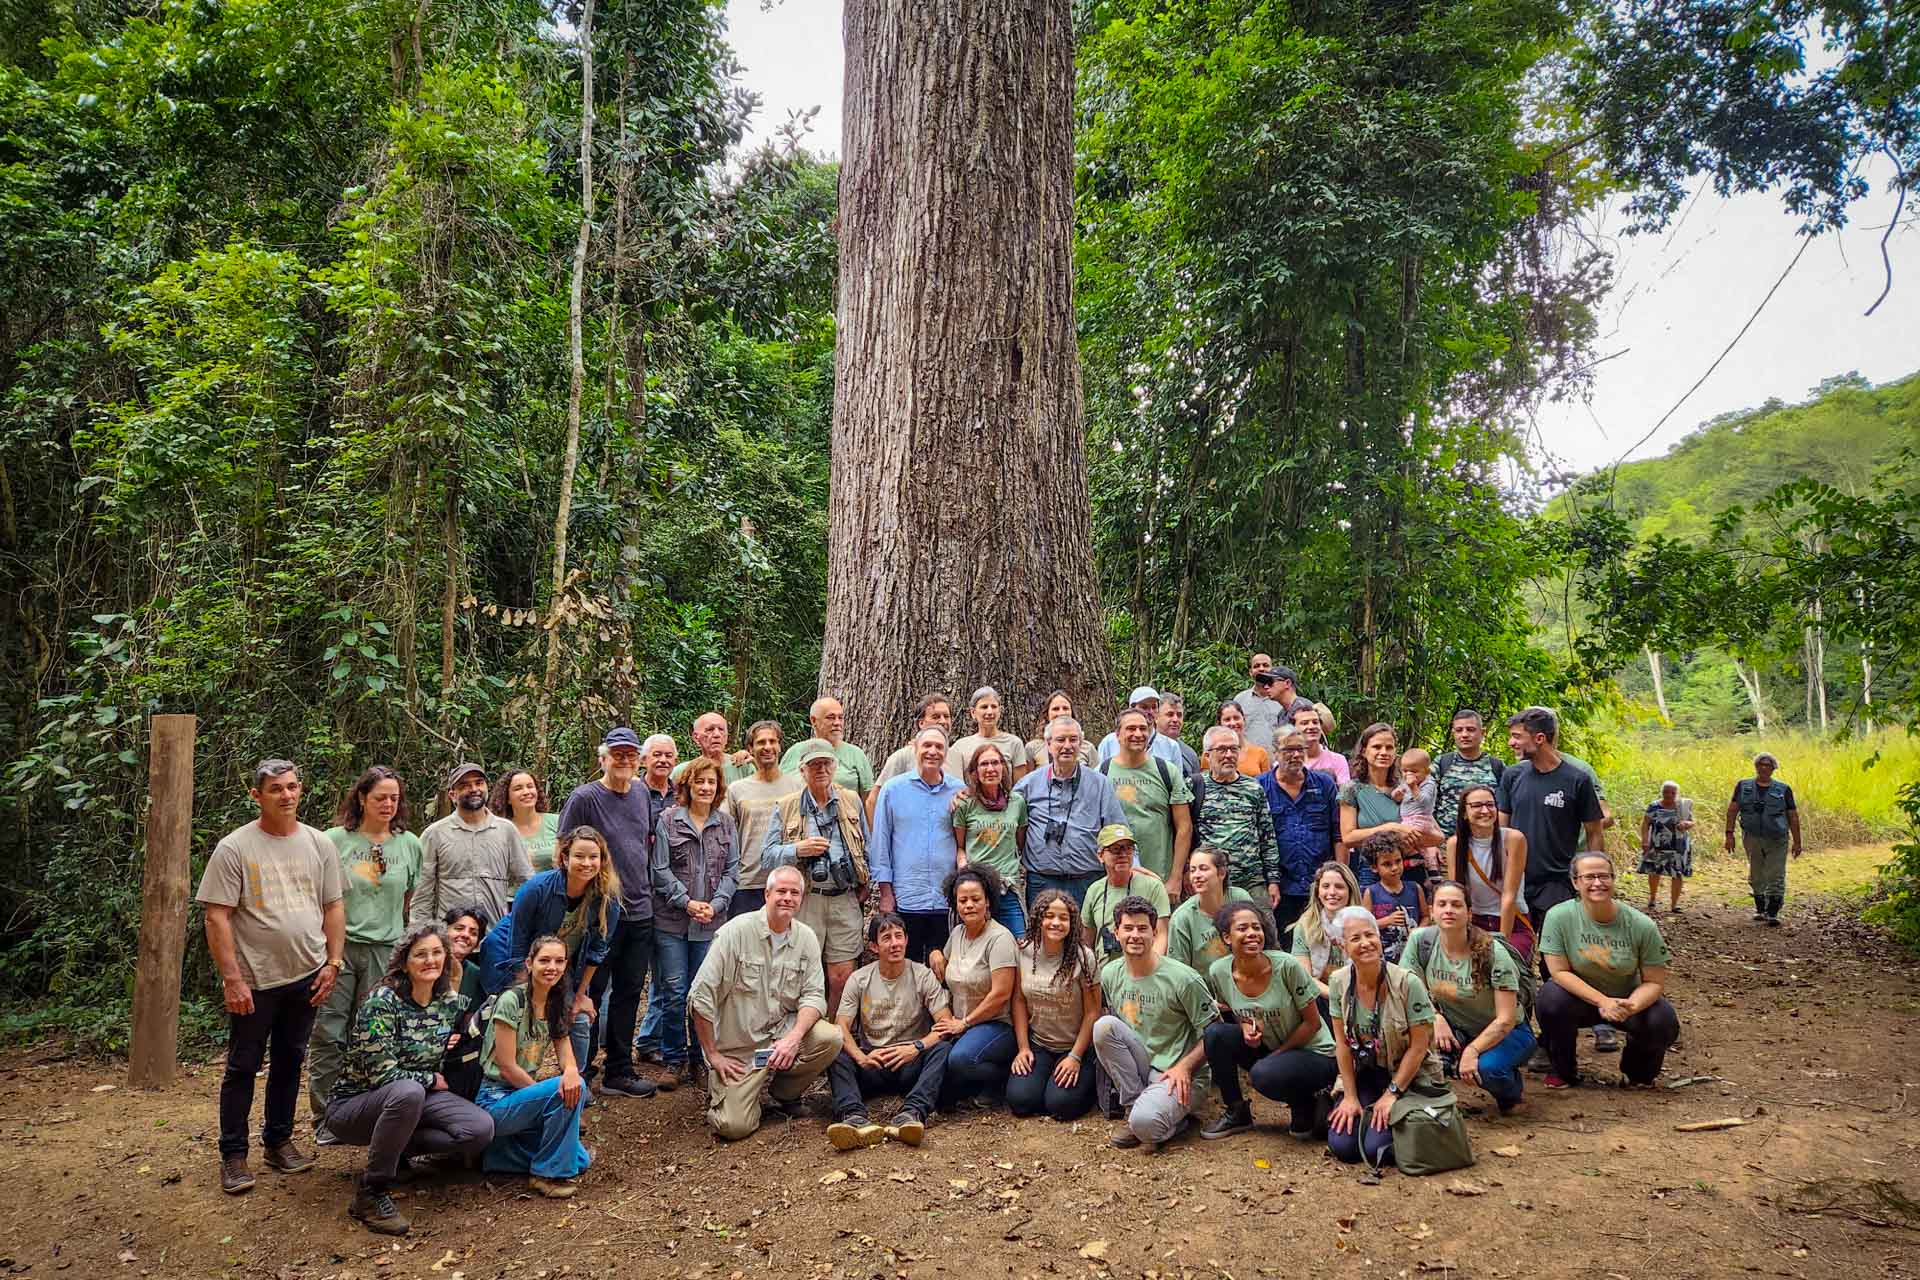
{"x":279,"y":888}
{"x":750,"y":803}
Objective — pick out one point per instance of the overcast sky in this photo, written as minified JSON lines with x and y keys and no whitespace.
{"x":1679,"y":297}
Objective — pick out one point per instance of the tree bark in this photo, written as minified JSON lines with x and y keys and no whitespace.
{"x":1750,"y":681}
{"x":1659,"y":686}
{"x":961,"y":547}
{"x":576,"y":381}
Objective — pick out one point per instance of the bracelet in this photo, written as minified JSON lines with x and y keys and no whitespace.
{"x":1072,"y":1056}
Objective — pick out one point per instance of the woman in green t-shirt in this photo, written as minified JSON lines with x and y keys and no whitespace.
{"x":519,"y":798}
{"x":536,"y":1123}
{"x":380,"y":867}
{"x":990,"y":829}
{"x":1475,"y":979}
{"x":1275,"y":1033}
{"x":1383,"y":1039}
{"x":1608,"y":963}
{"x":1192,"y":938}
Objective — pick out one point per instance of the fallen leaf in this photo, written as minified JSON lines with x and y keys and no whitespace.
{"x":1003,"y":1164}
{"x":958,"y":1184}
{"x":1095,"y":1249}
{"x":1710,"y":1126}
{"x":108,"y":1088}
{"x":1263,"y":1164}
{"x":1509,"y":1152}
{"x":899,"y":1176}
{"x":446,"y":1259}
{"x":1461,"y":1187}
{"x":128,"y":1255}
{"x":145,"y":1168}
{"x":838,"y":1175}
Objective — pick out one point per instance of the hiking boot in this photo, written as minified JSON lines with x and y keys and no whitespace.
{"x":684,"y":1073}
{"x":553,"y":1188}
{"x":235,"y":1178}
{"x":1774,"y":921}
{"x":1231,"y":1121}
{"x":649,"y":1058}
{"x":1606,"y":1040}
{"x":375,"y":1210}
{"x":785,"y":1108}
{"x":908,"y":1127}
{"x":855,"y":1132}
{"x":628,"y":1086}
{"x":1124,"y":1138}
{"x":665,"y":1079}
{"x":1316,"y":1120}
{"x":288,"y":1158}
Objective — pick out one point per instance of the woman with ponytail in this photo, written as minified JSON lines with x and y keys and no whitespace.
{"x":536,"y":1122}
{"x":1477,"y":980}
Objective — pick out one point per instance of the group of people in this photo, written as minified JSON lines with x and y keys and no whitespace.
{"x":1045,"y":926}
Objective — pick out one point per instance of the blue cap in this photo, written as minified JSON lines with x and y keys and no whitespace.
{"x":621,"y":736}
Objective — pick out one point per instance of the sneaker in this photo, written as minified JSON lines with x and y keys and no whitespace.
{"x":1316,"y":1126}
{"x":1759,"y":917}
{"x":786,"y":1108}
{"x":854,"y":1133}
{"x":375,"y":1210}
{"x":553,"y":1188}
{"x":907,"y":1127}
{"x":629,"y":1086}
{"x":288,"y":1158}
{"x":1124,"y":1138}
{"x":1555,"y":1082}
{"x":323,"y":1136}
{"x":235,"y":1178}
{"x":1773,"y":921}
{"x":650,"y":1058}
{"x":1231,"y":1121}
{"x":1606,"y":1040}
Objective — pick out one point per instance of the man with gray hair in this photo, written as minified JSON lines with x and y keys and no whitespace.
{"x":1763,"y":806}
{"x":275,"y":901}
{"x":913,"y":850}
{"x":1067,"y":804}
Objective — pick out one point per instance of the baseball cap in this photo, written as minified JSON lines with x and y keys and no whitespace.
{"x":816,"y":749}
{"x":461,"y":770}
{"x":1274,"y":675}
{"x":621,"y":736}
{"x":1144,"y":693}
{"x":1114,"y":833}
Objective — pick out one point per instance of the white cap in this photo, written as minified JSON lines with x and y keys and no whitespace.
{"x":1144,"y":693}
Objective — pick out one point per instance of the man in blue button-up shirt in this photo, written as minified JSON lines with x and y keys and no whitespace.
{"x":1067,"y":804}
{"x":912,"y":852}
{"x":1306,"y":822}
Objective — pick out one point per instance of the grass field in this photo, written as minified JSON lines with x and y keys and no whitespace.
{"x":1842,"y":801}
{"x":1844,"y":872}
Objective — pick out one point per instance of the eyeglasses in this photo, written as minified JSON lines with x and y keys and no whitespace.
{"x":1293,"y":751}
{"x":1596,"y":877}
{"x":1482,"y":804}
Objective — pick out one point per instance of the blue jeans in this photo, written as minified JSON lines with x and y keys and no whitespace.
{"x":1500,"y":1066}
{"x":1009,"y":913}
{"x":978,"y":1063}
{"x":675,"y":961}
{"x":533,"y":1130}
{"x":1378,"y":1143}
{"x":1074,"y":887}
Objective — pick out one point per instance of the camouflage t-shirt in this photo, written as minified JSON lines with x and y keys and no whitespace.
{"x":1233,"y":816}
{"x":396,"y":1039}
{"x":1457,"y":774}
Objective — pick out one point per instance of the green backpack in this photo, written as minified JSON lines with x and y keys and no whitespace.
{"x":1529,"y":977}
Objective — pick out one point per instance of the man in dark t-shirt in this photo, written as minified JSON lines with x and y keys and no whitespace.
{"x":1551,"y":803}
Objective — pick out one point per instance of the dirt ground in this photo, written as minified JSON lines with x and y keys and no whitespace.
{"x":1809,"y":1031}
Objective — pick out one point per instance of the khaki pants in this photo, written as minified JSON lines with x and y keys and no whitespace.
{"x":1766,"y":869}
{"x":733,"y":1110}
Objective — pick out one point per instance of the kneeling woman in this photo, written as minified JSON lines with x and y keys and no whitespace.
{"x":887,"y":1042}
{"x":1608,"y":963}
{"x":536,"y":1122}
{"x":1474,"y":978}
{"x":978,"y":964}
{"x":1276,"y":1033}
{"x":391,"y":1097}
{"x":1056,"y":1001}
{"x":1382,"y":1038}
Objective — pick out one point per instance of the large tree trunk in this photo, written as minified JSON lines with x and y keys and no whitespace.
{"x":1659,"y":685}
{"x":1750,"y":681}
{"x":961,"y":547}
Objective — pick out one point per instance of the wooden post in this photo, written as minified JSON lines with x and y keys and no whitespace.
{"x":163,"y":905}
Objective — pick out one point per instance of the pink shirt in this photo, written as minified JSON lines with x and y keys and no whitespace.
{"x":1334,"y":763}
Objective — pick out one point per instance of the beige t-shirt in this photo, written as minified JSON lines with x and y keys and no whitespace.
{"x":279,"y":888}
{"x":971,"y":963}
{"x":887,"y":1011}
{"x":1009,"y":743}
{"x":1054,"y":1011}
{"x":750,"y":803}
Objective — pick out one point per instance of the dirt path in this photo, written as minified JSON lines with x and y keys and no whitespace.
{"x":1812,"y":1027}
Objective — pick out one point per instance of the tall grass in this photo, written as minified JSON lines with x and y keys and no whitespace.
{"x":1842,"y":801}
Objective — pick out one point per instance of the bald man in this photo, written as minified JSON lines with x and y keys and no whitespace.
{"x":829,"y":720}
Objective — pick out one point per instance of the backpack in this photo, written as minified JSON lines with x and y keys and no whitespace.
{"x":1529,"y":978}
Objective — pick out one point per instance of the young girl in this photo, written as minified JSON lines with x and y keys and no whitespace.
{"x":1397,"y":903}
{"x":536,"y":1123}
{"x":1417,"y":794}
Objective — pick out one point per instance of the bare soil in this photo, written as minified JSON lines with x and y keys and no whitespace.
{"x":1808,"y":1030}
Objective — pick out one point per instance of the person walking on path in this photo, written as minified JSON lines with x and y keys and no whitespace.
{"x":1763,"y":806}
{"x":277,"y":927}
{"x":1666,"y":845}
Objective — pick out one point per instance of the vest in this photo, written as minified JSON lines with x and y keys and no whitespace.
{"x":791,"y":819}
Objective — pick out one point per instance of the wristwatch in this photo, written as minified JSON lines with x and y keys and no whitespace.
{"x":336,"y":964}
{"x":1395,"y":1089}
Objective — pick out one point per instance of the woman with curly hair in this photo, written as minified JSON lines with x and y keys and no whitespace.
{"x":1476,"y":979}
{"x":521,"y":799}
{"x":536,"y":1122}
{"x":391,"y":1097}
{"x":978,"y":964}
{"x":1275,"y":1034}
{"x":1056,"y":1000}
{"x":380,"y":867}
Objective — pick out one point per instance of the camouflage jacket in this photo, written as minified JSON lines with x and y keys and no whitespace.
{"x":395,"y":1039}
{"x":1233,"y":817}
